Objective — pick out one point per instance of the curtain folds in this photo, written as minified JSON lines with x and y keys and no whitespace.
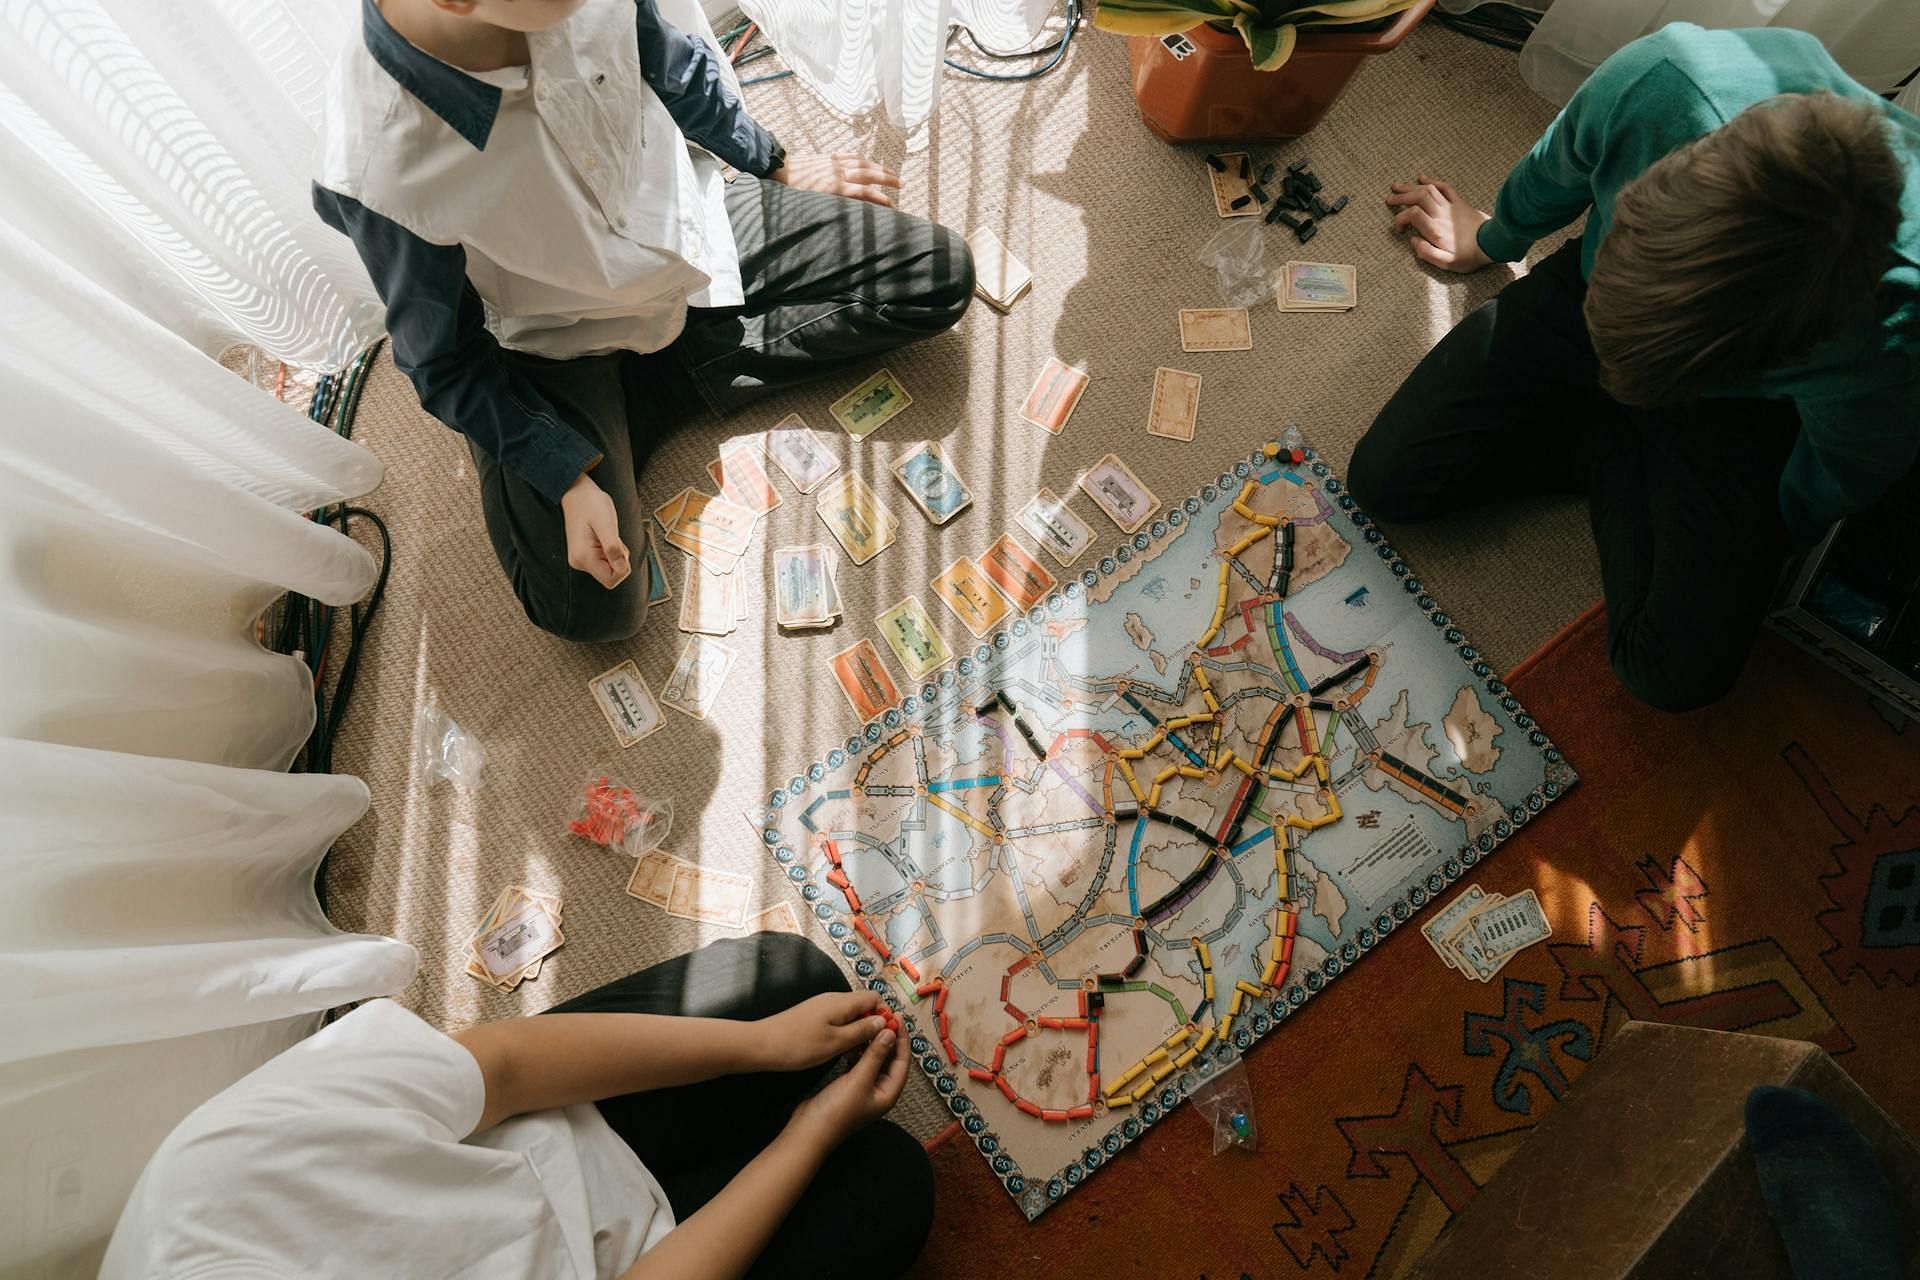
{"x":859,"y":54}
{"x":158,"y":926}
{"x":166,"y":147}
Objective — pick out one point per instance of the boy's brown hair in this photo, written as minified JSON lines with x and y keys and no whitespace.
{"x":1739,"y":252}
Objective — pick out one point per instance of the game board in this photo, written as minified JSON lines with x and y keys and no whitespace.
{"x":1101,"y":854}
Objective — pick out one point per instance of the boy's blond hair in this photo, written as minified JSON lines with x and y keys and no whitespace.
{"x":1737,"y":253}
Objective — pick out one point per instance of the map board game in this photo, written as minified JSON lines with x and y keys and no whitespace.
{"x":1099,"y":855}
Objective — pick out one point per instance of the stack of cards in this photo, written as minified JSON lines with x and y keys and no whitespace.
{"x":1316,"y":286}
{"x":931,"y":481}
{"x":871,"y":405}
{"x":1478,"y":932}
{"x":712,"y":604}
{"x":805,"y":594}
{"x":691,"y":892}
{"x":519,"y":931}
{"x":694,"y":684}
{"x":854,"y":516}
{"x":998,"y":276}
{"x":707,"y":527}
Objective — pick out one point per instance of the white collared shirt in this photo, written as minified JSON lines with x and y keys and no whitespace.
{"x":588,"y":223}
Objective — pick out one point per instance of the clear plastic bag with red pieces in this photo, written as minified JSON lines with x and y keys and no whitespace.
{"x":1227,"y":1103}
{"x":618,"y":817}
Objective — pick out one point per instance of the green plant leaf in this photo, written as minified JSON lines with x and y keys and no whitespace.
{"x":1160,"y":17}
{"x":1269,"y":46}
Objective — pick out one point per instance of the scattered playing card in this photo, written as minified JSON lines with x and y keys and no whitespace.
{"x":803,"y":588}
{"x":998,"y":276}
{"x":871,"y":405}
{"x":694,"y":684}
{"x":707,"y":527}
{"x":652,"y":877}
{"x":706,"y":600}
{"x":909,"y":632}
{"x":626,"y":702}
{"x":779,"y":918}
{"x":1055,"y":393}
{"x":963,"y":588}
{"x":1317,"y":286}
{"x":659,"y":590}
{"x":1020,"y":577}
{"x":742,"y":480}
{"x":1118,"y":492}
{"x":1048,"y":521}
{"x":1216,"y":329}
{"x":709,"y":895}
{"x":864,"y":680}
{"x":1444,"y":922}
{"x":854,"y":516}
{"x":1175,"y":406}
{"x":1232,"y":183}
{"x":520,"y":930}
{"x":799,"y":454}
{"x":1508,"y":926}
{"x":931,"y":481}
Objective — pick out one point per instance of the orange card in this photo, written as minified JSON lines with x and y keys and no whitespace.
{"x":743,"y":480}
{"x":1024,"y":580}
{"x":864,"y":679}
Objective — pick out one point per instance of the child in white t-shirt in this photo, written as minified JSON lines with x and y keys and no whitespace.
{"x":672,"y":1124}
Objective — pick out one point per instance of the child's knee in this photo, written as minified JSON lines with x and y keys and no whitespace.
{"x":810,"y":969}
{"x":591,"y":614}
{"x":1383,"y":485}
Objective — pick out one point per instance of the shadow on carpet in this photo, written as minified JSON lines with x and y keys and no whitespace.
{"x":1753,"y":867}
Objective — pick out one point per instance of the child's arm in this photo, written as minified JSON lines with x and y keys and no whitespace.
{"x":722,"y":1239}
{"x":559,"y":1059}
{"x":684,"y":75}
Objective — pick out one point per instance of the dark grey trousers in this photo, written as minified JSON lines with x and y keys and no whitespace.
{"x":1684,"y":499}
{"x":829,"y":283}
{"x":868,"y":1210}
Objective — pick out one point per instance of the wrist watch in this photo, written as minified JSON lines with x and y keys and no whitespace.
{"x":776,"y":156}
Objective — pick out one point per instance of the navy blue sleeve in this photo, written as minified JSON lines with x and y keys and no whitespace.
{"x":440,"y":341}
{"x":683,"y":73}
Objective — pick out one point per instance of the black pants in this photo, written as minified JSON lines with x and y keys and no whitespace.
{"x":866,"y":1213}
{"x":829,"y":283}
{"x":1684,"y":500}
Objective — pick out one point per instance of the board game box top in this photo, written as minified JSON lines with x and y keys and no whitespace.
{"x":1097,"y":857}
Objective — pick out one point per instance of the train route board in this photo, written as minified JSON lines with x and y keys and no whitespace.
{"x":1097,"y":857}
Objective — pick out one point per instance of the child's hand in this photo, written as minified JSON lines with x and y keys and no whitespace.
{"x":839,"y":175}
{"x":865,"y":1092}
{"x":593,"y":533}
{"x":819,"y":1029}
{"x":1445,"y":228}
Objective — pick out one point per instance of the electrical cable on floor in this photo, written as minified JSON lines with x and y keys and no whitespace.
{"x":1505,"y":26}
{"x":742,"y":35}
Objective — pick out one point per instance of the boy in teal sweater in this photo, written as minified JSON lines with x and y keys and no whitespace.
{"x":1726,"y":362}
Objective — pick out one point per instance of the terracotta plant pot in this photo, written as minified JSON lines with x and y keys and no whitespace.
{"x":1213,"y":94}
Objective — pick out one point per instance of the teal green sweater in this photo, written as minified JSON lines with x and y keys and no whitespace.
{"x":1858,"y":393}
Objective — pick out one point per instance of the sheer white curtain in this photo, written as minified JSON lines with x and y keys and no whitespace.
{"x":166,"y":146}
{"x":159,"y":935}
{"x":1877,"y":42}
{"x":859,"y":54}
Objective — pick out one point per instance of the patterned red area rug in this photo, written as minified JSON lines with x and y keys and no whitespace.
{"x":1753,"y":867}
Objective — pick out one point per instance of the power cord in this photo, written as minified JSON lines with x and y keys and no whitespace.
{"x":742,"y":34}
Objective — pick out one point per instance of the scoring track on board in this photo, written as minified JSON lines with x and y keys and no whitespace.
{"x":1103,"y":853}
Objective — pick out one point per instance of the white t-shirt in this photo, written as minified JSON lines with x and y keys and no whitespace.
{"x":350,"y":1155}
